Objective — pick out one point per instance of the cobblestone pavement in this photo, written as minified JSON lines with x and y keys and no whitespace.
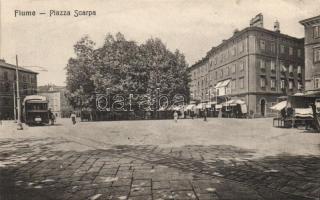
{"x":34,"y":169}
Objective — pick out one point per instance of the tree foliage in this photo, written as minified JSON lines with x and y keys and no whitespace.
{"x":124,"y":67}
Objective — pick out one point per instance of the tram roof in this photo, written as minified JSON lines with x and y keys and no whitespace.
{"x":35,"y":98}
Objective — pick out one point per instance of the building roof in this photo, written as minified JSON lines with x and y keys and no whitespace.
{"x":50,"y":88}
{"x":310,"y":20}
{"x":238,"y":34}
{"x":10,"y":66}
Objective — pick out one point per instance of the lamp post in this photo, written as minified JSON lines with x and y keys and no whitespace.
{"x":158,"y":102}
{"x":108,"y":94}
{"x":17,"y":103}
{"x":14,"y":103}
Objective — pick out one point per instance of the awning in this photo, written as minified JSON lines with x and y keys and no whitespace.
{"x":279,"y":106}
{"x":212,"y":103}
{"x":223,"y":83}
{"x":234,"y":102}
{"x":282,"y":97}
{"x":298,"y":94}
{"x":303,"y":112}
{"x":176,"y":108}
{"x":200,"y":106}
{"x":190,"y":107}
{"x":239,"y":101}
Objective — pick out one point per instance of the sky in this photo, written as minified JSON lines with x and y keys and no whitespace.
{"x":192,"y":26}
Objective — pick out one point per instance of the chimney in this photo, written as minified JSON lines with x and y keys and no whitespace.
{"x":276,"y":26}
{"x":235,"y":31}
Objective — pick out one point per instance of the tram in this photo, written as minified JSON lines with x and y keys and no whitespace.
{"x":35,"y":110}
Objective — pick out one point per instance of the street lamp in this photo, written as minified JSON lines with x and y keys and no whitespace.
{"x":14,"y":103}
{"x":108,"y":94}
{"x":158,"y":102}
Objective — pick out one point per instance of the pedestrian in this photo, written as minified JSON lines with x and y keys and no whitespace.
{"x":51,"y":116}
{"x":73,"y":118}
{"x":175,"y":116}
{"x":205,"y":113}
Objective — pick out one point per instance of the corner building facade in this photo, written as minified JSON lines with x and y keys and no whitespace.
{"x":27,"y":86}
{"x":312,"y":52}
{"x":255,"y":65}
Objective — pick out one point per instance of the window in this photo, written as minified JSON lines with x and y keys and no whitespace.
{"x":273,"y":47}
{"x":316,"y":32}
{"x":273,"y":83}
{"x":299,"y":69}
{"x":290,"y":51}
{"x":291,"y":84}
{"x":273,"y":66}
{"x":7,"y":87}
{"x":241,"y":47}
{"x":241,"y":66}
{"x":216,"y":75}
{"x":262,"y":64}
{"x":316,"y":55}
{"x":241,"y":82}
{"x":282,"y":49}
{"x":316,"y":83}
{"x":290,"y":68}
{"x":299,"y":85}
{"x":233,"y":68}
{"x":228,"y":71}
{"x":262,"y":82}
{"x":225,"y":54}
{"x":233,"y":51}
{"x":299,"y":52}
{"x":283,"y":67}
{"x":221,"y":73}
{"x":262,"y":45}
{"x":233,"y":84}
{"x":282,"y":84}
{"x":5,"y":75}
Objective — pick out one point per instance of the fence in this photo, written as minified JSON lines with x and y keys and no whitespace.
{"x":125,"y":115}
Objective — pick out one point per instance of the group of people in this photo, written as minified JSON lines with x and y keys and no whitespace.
{"x":176,"y":115}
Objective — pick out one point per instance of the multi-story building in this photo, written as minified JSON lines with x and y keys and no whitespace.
{"x":54,"y":101}
{"x":58,"y":102}
{"x":255,"y":65}
{"x":27,"y":86}
{"x":312,"y":52}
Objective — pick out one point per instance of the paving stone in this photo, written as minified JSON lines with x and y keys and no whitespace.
{"x":151,"y":172}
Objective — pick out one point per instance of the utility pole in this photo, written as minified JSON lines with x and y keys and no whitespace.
{"x":14,"y":103}
{"x":0,"y":30}
{"x":18,"y":97}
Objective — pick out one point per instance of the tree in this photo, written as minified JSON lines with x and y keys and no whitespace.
{"x":124,"y":67}
{"x":79,"y":72}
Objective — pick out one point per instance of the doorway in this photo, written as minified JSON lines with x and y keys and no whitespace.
{"x":263,"y":107}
